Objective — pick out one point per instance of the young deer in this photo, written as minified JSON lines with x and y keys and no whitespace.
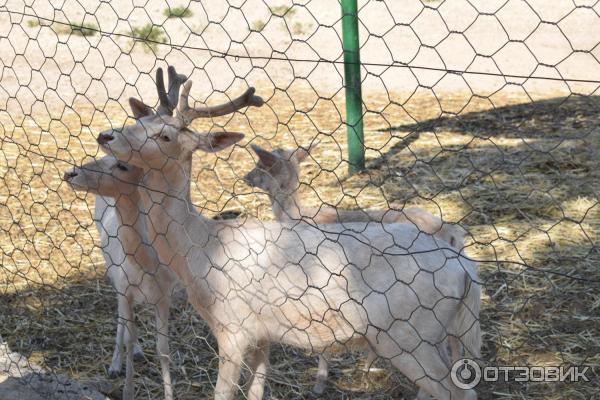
{"x":278,"y":173}
{"x":131,"y":264}
{"x":313,"y":287}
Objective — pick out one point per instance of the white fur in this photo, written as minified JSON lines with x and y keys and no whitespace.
{"x":313,"y":287}
{"x":278,"y":173}
{"x":131,"y":265}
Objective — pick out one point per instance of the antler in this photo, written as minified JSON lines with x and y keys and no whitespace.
{"x":188,"y":114}
{"x":168,"y":101}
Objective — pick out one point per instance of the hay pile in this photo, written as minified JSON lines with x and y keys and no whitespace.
{"x":521,"y":178}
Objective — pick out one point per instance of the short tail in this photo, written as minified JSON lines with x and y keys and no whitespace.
{"x":466,"y":329}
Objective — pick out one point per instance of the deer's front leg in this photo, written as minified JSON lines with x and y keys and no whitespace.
{"x":117,"y":358}
{"x":322,"y":374}
{"x":259,"y":364}
{"x":231,"y":356}
{"x":162,"y":344}
{"x":131,"y":339}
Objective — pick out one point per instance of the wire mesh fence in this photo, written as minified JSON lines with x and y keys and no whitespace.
{"x":480,"y":130}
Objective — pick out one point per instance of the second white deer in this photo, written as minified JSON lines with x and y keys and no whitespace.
{"x":131,"y":263}
{"x":278,"y":173}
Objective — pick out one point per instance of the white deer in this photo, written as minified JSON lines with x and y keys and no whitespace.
{"x":308,"y":286}
{"x":132,"y":265}
{"x":278,"y":173}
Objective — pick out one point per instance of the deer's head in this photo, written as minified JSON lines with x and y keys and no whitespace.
{"x":106,"y":176}
{"x":277,"y":171}
{"x":156,"y":138}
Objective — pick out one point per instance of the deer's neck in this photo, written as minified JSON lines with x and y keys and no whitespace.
{"x":133,"y":235}
{"x":286,"y":206}
{"x":168,"y":188}
{"x":128,"y":214}
{"x":178,"y":233}
{"x":187,"y":169}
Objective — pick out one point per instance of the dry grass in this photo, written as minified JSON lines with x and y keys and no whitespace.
{"x":522,"y":179}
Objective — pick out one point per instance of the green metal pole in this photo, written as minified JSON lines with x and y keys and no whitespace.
{"x":354,"y":117}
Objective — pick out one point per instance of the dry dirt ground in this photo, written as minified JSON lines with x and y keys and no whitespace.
{"x":513,"y":160}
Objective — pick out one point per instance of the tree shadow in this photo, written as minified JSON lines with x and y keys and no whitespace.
{"x":69,"y":330}
{"x":551,"y":121}
{"x":573,"y":116}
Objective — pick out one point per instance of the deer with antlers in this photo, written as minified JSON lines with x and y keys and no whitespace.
{"x":278,"y":173}
{"x":131,"y":263}
{"x":308,"y":286}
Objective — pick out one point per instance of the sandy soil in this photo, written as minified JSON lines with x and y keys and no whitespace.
{"x":535,"y":38}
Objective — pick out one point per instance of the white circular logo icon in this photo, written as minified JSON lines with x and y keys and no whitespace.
{"x":465,"y":374}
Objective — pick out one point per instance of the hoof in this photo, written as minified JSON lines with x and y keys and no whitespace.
{"x":422,"y":395}
{"x":319,"y":388}
{"x":138,"y":353}
{"x":113,"y":373}
{"x":128,"y":394}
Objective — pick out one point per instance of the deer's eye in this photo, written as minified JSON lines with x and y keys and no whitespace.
{"x":165,"y":138}
{"x":122,"y":167}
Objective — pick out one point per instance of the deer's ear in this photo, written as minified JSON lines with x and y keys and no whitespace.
{"x":208,"y":142}
{"x":301,"y":153}
{"x":266,"y":157}
{"x":139,"y":108}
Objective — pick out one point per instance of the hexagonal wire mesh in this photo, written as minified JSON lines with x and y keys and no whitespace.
{"x":480,"y":114}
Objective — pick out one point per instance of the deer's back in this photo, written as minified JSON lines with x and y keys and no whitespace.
{"x":333,"y":280}
{"x":421,"y":219}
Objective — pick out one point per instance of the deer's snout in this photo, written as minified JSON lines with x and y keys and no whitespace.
{"x":104,"y":138}
{"x":70,"y":175}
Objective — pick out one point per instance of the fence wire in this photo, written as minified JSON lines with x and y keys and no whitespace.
{"x":481,"y":137}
